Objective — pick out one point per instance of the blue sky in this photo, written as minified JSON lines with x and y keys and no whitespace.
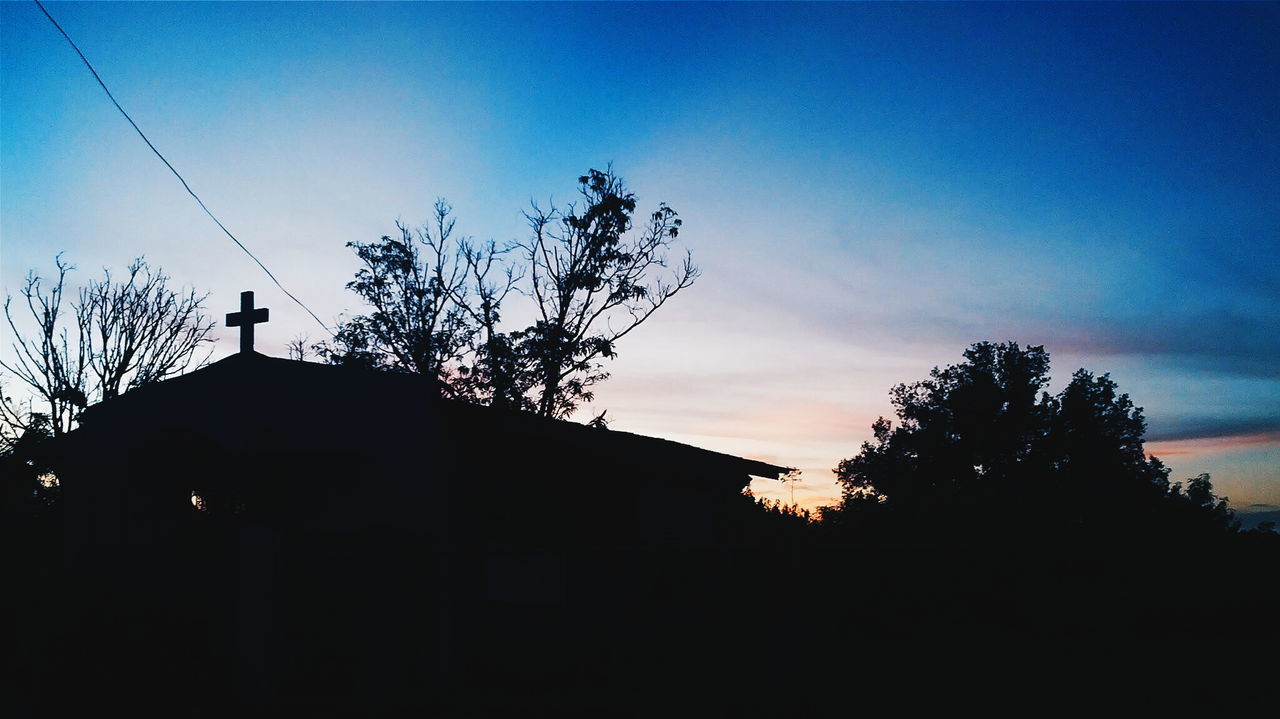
{"x":868,"y":188}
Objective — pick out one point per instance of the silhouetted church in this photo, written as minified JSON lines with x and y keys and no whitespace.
{"x":316,"y":529}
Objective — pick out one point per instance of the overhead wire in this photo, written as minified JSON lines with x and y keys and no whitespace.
{"x":175,"y":172}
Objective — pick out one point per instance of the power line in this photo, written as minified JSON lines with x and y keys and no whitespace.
{"x":174,"y":171}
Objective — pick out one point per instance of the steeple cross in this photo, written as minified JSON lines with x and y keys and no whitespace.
{"x":245,"y":319}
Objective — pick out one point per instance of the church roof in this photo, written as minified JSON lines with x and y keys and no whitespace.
{"x":279,"y":391}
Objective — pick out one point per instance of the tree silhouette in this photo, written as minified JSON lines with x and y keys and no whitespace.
{"x":1094,"y":445}
{"x":1208,"y":511}
{"x":413,"y":284}
{"x":498,"y":373}
{"x":436,"y":305}
{"x":117,"y":335}
{"x":437,"y":301}
{"x":969,"y":425}
{"x":981,"y":442}
{"x":584,"y":271}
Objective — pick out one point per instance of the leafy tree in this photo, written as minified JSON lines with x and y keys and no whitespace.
{"x":758,"y":520}
{"x":981,"y":441}
{"x":437,"y":302}
{"x":593,"y":284}
{"x":1094,"y":445}
{"x":969,"y":425}
{"x":1198,"y":507}
{"x":412,"y":283}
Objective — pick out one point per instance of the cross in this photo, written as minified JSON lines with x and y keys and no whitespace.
{"x":245,"y":319}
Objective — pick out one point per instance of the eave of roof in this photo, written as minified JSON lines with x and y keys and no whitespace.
{"x":411,"y":384}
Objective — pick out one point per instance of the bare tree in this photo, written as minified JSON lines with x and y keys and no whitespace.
{"x":18,"y":419}
{"x":140,"y":331}
{"x":53,"y":360}
{"x":298,"y":348}
{"x":498,"y":374}
{"x":593,"y":284}
{"x":116,"y":336}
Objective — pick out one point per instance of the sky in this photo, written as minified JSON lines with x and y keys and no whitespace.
{"x":867,"y":188}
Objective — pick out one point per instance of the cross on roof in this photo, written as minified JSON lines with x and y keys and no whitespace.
{"x":245,"y":319}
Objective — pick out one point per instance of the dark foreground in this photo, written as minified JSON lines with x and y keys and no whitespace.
{"x":742,"y":627}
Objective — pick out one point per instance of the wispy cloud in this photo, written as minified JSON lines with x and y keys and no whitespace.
{"x":1212,"y":428}
{"x":1222,"y":341}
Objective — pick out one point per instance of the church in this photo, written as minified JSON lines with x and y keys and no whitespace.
{"x":322,"y":533}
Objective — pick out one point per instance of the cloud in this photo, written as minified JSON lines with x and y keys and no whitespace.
{"x":1206,"y":428}
{"x":1224,"y":341}
{"x":1196,"y":446}
{"x":924,"y":308}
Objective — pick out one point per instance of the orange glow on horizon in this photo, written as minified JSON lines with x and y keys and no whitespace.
{"x":1206,"y":445}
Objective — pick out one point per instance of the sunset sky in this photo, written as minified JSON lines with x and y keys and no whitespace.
{"x":868,"y":188}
